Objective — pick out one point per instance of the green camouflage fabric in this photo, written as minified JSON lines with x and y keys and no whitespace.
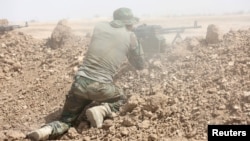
{"x":83,"y":91}
{"x":58,"y":128}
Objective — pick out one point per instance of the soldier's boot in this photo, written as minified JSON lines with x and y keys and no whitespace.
{"x":96,"y":115}
{"x":40,"y":134}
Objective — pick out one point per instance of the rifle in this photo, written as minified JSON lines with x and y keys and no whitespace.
{"x":179,"y":30}
{"x":4,"y":28}
{"x":150,"y":36}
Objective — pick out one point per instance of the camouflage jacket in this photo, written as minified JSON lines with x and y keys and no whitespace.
{"x":110,"y":46}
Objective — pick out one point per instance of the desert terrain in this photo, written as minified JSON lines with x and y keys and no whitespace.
{"x":192,"y":84}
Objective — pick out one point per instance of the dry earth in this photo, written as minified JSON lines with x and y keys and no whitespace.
{"x":191,"y":85}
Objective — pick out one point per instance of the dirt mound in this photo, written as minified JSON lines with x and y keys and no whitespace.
{"x":192,"y":85}
{"x":4,"y":22}
{"x":33,"y":80}
{"x":63,"y":36}
{"x":214,"y":34}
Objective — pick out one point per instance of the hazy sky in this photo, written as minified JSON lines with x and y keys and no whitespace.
{"x":24,"y":10}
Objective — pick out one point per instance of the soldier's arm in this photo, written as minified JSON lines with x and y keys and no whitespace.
{"x":136,"y":54}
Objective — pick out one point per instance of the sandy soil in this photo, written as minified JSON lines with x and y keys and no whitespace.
{"x":175,"y":97}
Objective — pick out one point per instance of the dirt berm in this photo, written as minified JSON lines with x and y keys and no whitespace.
{"x":193,"y":84}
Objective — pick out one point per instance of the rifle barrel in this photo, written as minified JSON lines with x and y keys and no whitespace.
{"x":9,"y":27}
{"x":178,"y":29}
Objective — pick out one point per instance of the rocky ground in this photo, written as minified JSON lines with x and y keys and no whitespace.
{"x":191,"y":85}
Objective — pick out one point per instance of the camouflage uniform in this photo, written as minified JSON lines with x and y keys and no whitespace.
{"x":110,"y":46}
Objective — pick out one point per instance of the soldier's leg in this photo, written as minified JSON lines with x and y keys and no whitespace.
{"x":107,"y":93}
{"x":115,"y":99}
{"x":72,"y":109}
{"x":75,"y":102}
{"x":111,"y":98}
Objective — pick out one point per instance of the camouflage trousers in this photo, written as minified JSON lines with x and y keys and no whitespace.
{"x":84,"y":91}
